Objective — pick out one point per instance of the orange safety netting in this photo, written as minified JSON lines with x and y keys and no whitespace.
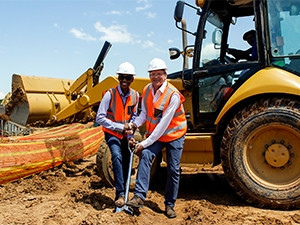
{"x":26,"y":155}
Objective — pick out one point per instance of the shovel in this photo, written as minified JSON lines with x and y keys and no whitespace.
{"x":127,"y":209}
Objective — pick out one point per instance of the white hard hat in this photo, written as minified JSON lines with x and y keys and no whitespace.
{"x":157,"y":64}
{"x":126,"y":68}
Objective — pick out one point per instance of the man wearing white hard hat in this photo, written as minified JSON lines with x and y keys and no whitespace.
{"x":117,"y":108}
{"x":166,"y":125}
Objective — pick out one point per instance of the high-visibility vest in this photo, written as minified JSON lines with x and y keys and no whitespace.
{"x":178,"y":125}
{"x":118,"y":112}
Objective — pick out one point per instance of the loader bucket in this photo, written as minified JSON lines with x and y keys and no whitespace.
{"x":36,"y":98}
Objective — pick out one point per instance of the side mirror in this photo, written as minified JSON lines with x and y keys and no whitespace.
{"x":178,"y":13}
{"x":217,"y":38}
{"x":174,"y":53}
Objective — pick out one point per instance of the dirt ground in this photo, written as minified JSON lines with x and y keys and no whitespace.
{"x":74,"y":194}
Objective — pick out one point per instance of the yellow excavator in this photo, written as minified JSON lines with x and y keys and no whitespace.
{"x":242,"y":114}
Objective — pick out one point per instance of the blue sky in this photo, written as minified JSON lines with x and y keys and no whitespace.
{"x":62,"y":38}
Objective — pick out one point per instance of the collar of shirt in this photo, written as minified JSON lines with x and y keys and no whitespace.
{"x":159,"y":91}
{"x":124,"y":97}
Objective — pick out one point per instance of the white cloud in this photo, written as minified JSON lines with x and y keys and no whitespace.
{"x":114,"y":12}
{"x":147,"y":44}
{"x":150,"y":34}
{"x":144,"y":7}
{"x":57,"y":26}
{"x":143,"y":1}
{"x":209,"y":52}
{"x":151,"y":46}
{"x":150,"y":15}
{"x":2,"y":95}
{"x":118,"y":13}
{"x":81,"y":35}
{"x":114,"y":33}
{"x":141,"y":8}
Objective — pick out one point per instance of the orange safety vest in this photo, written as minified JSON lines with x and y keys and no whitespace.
{"x":118,"y":112}
{"x":178,"y":125}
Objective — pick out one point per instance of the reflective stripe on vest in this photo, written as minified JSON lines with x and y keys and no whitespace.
{"x":178,"y":125}
{"x":118,"y":112}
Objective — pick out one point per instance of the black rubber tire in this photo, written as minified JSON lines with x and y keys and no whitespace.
{"x":264,"y":125}
{"x":104,"y":165}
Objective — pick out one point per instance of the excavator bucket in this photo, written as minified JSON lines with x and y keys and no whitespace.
{"x":43,"y":100}
{"x":35,"y":99}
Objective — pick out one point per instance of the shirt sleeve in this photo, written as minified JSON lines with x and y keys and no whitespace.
{"x":165,"y":121}
{"x":102,"y":112}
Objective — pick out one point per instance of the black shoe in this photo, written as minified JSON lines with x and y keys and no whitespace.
{"x":170,"y":213}
{"x":135,"y":202}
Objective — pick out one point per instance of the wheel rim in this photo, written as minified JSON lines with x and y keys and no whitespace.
{"x":271,"y":155}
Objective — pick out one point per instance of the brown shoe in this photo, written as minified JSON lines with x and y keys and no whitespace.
{"x":120,"y":201}
{"x":170,"y":212}
{"x":135,"y":202}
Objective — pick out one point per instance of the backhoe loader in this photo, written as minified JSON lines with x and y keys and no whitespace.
{"x":241,"y":114}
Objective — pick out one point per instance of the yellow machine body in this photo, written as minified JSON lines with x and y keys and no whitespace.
{"x":268,"y":80}
{"x":36,"y":98}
